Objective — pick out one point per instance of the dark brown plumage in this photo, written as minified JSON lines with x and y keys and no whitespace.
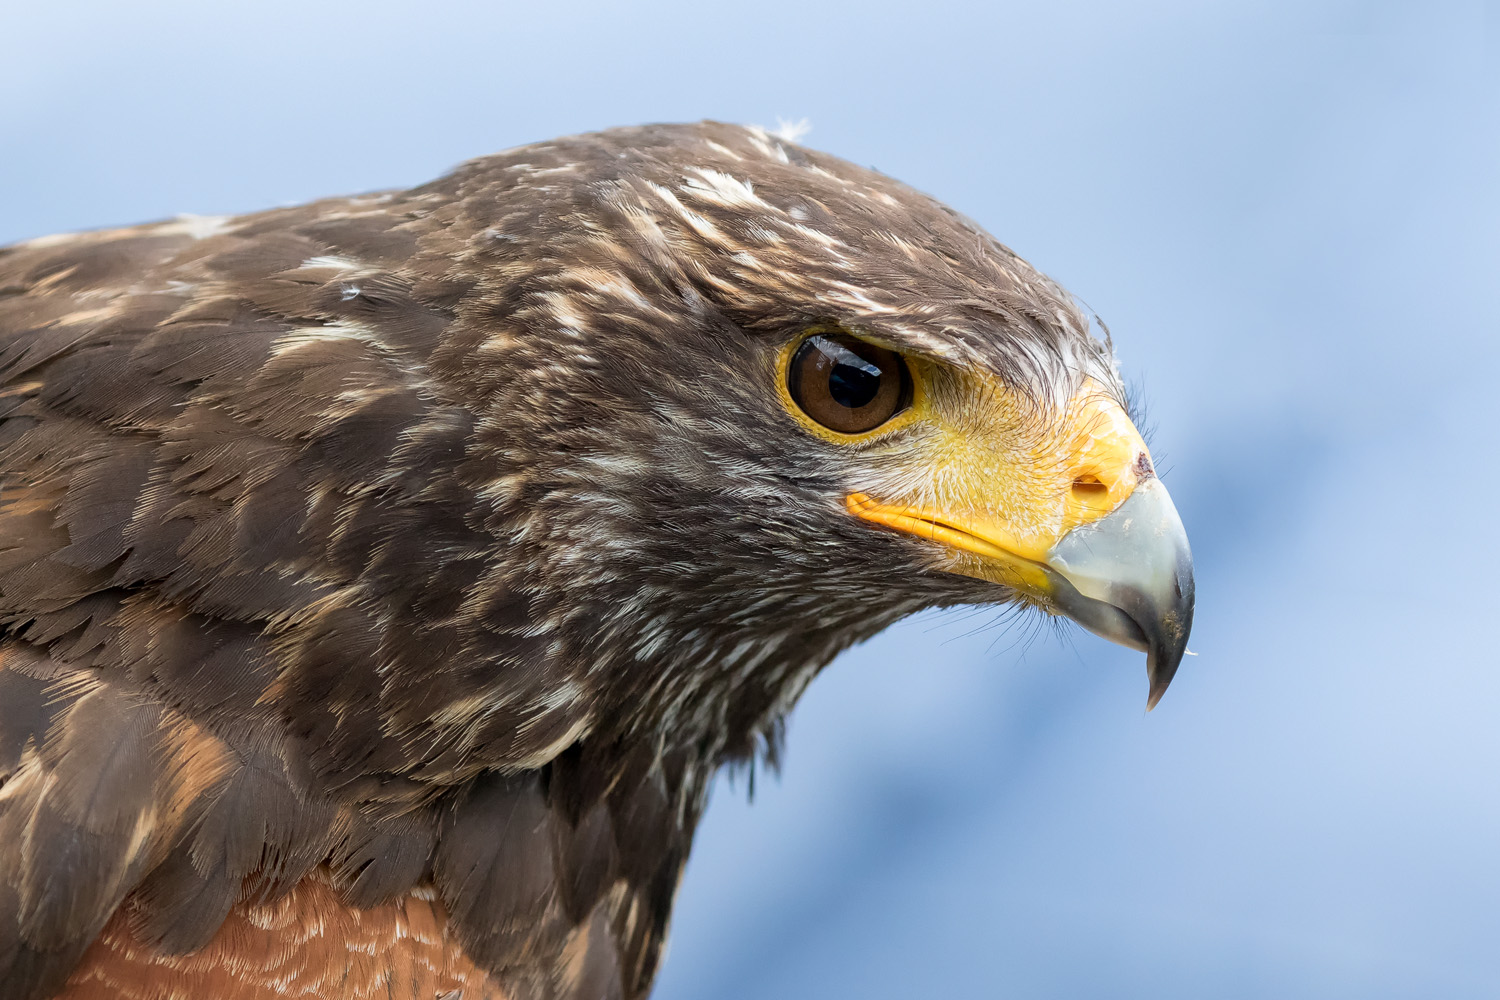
{"x":430,"y":550}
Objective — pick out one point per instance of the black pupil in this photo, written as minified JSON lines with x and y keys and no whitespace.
{"x":853,"y":386}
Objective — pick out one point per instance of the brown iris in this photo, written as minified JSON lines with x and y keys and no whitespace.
{"x":847,"y":384}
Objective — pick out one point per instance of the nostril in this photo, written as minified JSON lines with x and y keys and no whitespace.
{"x":1087,"y":489}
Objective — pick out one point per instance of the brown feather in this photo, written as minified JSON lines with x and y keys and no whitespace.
{"x":399,"y":950}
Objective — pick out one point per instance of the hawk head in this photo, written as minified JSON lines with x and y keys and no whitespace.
{"x":763,"y":402}
{"x":431,"y":549}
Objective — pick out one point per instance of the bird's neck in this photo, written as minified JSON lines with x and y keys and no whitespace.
{"x":722,"y":684}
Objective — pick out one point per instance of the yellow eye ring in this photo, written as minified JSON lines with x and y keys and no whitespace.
{"x":845,"y":388}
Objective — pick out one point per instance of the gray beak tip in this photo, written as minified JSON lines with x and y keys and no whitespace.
{"x":1160,"y":675}
{"x":1169,"y":636}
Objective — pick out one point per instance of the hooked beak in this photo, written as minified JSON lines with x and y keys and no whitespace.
{"x":1111,"y":554}
{"x":1129,"y":578}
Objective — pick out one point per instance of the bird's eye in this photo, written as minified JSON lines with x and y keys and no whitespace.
{"x":846,"y":384}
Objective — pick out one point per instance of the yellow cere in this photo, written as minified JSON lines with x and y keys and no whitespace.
{"x":997,"y":480}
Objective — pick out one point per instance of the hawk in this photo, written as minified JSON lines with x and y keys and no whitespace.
{"x":384,"y":579}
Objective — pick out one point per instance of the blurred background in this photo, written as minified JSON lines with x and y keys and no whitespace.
{"x":1289,"y":216}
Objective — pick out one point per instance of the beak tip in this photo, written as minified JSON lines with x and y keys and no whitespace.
{"x":1158,"y":688}
{"x":1161,"y":667}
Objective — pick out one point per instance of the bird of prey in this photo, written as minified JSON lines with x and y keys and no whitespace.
{"x":383,"y":580}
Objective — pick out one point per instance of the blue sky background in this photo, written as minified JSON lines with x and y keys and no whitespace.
{"x":1288,"y":214}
